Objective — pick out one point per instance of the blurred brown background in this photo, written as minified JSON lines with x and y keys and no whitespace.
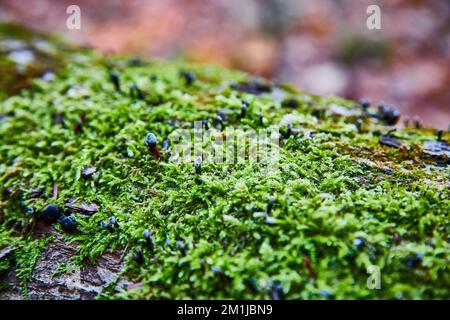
{"x":323,"y":46}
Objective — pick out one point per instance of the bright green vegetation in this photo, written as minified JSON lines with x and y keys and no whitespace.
{"x":342,"y":201}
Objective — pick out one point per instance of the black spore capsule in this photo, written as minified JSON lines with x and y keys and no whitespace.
{"x":50,"y":214}
{"x":107,"y":226}
{"x":136,"y":92}
{"x":138,"y":256}
{"x":181,"y":247}
{"x":79,"y":126}
{"x":88,"y":172}
{"x":112,"y":220}
{"x":417,"y":122}
{"x":391,"y":116}
{"x":358,"y":125}
{"x":188,"y":77}
{"x":414,"y":261}
{"x":406,"y":121}
{"x":290,"y":103}
{"x":364,"y":103}
{"x":150,"y":141}
{"x":381,"y":109}
{"x":205,"y":124}
{"x":69,"y":224}
{"x":359,"y":243}
{"x":270,"y":206}
{"x":219,"y":122}
{"x":198,"y":166}
{"x":277,"y":291}
{"x":288,"y":130}
{"x":439,"y":135}
{"x":115,"y":79}
{"x":244,"y":108}
{"x":166,"y":144}
{"x":260,"y":117}
{"x":135,"y":62}
{"x":148,"y":238}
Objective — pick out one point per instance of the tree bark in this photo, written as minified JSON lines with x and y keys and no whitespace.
{"x":85,"y":283}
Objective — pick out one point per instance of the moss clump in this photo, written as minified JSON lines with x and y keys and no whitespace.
{"x":340,"y":201}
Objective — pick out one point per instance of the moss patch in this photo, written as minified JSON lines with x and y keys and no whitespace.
{"x":341,"y":201}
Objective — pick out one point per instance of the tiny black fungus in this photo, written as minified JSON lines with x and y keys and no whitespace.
{"x":166,"y":144}
{"x":135,"y":62}
{"x":376,"y":133}
{"x":79,"y":126}
{"x":417,"y":122}
{"x":381,"y":107}
{"x":205,"y":124}
{"x":270,"y":206}
{"x":414,"y":261}
{"x":392,"y":116}
{"x":277,"y":291}
{"x":112,"y":220}
{"x":388,"y":114}
{"x":216,"y":269}
{"x":69,"y":224}
{"x":50,"y":214}
{"x":358,"y":125}
{"x":359,"y":243}
{"x":115,"y":79}
{"x":107,"y":226}
{"x":219,"y":122}
{"x":290,"y":103}
{"x":365,"y":104}
{"x":148,"y":238}
{"x":136,"y":92}
{"x":288,"y":130}
{"x":88,"y":172}
{"x":406,"y":121}
{"x":59,"y":119}
{"x":325,"y":294}
{"x":138,"y":256}
{"x":254,"y":86}
{"x":151,"y":142}
{"x":189,"y":77}
{"x":30,"y":211}
{"x":243,"y":110}
{"x":181,"y":247}
{"x":198,"y":166}
{"x":260,"y":117}
{"x":439,"y":135}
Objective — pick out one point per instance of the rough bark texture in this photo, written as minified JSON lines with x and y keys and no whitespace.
{"x":85,"y":283}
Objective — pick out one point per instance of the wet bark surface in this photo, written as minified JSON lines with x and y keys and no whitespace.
{"x":85,"y":283}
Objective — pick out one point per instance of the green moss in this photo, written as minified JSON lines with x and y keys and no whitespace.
{"x":333,"y":187}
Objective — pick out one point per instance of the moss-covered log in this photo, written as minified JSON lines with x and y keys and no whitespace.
{"x":349,"y":192}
